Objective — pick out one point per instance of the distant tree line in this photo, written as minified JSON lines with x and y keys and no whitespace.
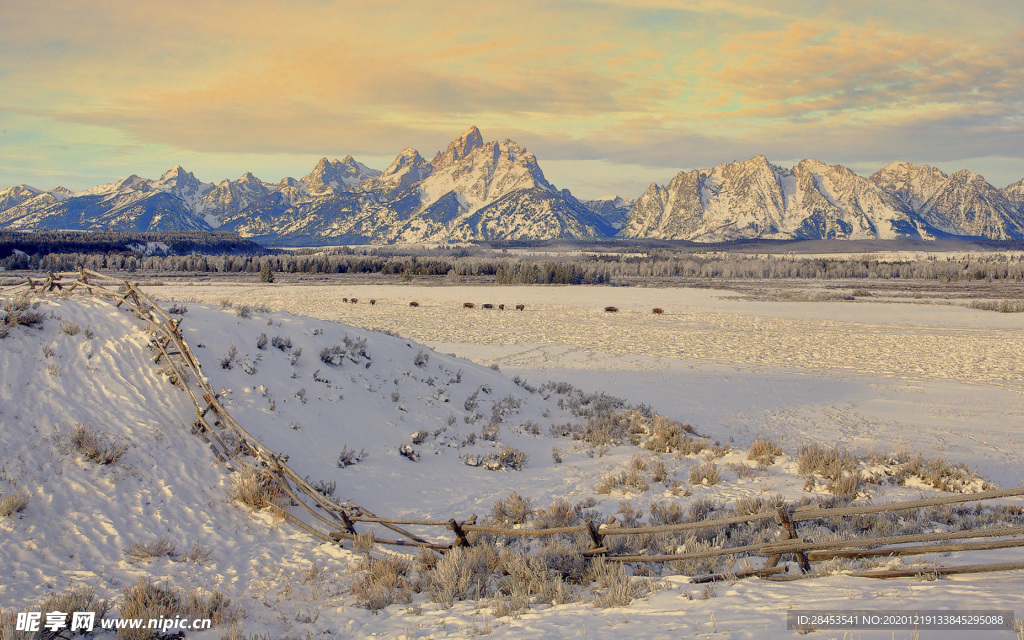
{"x":26,"y":249}
{"x":503,"y":267}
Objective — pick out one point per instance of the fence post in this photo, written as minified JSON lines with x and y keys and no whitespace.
{"x":788,"y":533}
{"x":595,"y":535}
{"x":460,"y":535}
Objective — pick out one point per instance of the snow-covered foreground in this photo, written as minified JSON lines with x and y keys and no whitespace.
{"x":712,"y":361}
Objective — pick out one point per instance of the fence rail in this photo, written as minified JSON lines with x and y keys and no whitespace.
{"x":334,"y":522}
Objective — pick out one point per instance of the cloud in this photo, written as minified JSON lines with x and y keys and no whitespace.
{"x":644,"y":82}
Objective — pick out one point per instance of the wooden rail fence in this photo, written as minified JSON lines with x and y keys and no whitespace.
{"x":334,"y":522}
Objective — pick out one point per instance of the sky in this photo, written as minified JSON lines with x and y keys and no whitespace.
{"x":610,"y":95}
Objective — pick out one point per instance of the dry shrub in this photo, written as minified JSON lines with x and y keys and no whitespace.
{"x":828,"y":462}
{"x":364,"y":543}
{"x":200,"y":554}
{"x":490,"y":431}
{"x":139,"y":552}
{"x":147,"y":601}
{"x":666,"y":513}
{"x":742,"y":471}
{"x":528,"y":579}
{"x":706,"y":473}
{"x":763,"y":450}
{"x":17,"y":312}
{"x":80,"y":598}
{"x":671,"y":436}
{"x":12,"y":503}
{"x":70,"y":328}
{"x":631,"y":478}
{"x":944,"y":475}
{"x":563,"y":557}
{"x":462,"y":573}
{"x":559,"y":514}
{"x":612,"y":586}
{"x":507,"y":458}
{"x":256,"y":489}
{"x":383,"y":582}
{"x":752,"y":505}
{"x":847,"y":485}
{"x":511,"y":510}
{"x":94,"y":445}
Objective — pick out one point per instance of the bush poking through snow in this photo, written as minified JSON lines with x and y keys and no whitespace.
{"x":255,"y":489}
{"x":261,"y":341}
{"x":12,"y":503}
{"x":507,"y":458}
{"x":528,"y":579}
{"x":80,"y":598}
{"x":706,"y":473}
{"x":828,"y":462}
{"x":148,"y":601}
{"x":490,"y":431}
{"x":461,"y":574}
{"x":846,"y":485}
{"x":613,"y":587}
{"x":95,"y":446}
{"x":763,"y":451}
{"x":421,"y":359}
{"x":16,"y":312}
{"x":139,"y":552}
{"x":559,"y":514}
{"x":513,"y":509}
{"x":349,"y":457}
{"x":70,"y":328}
{"x":383,"y":582}
{"x":228,"y":361}
{"x":282,"y":343}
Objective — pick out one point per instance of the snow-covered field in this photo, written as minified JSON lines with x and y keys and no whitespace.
{"x":942,"y":381}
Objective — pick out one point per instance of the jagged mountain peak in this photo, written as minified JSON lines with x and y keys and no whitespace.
{"x":408,"y":157}
{"x":332,"y":177}
{"x":177,"y":171}
{"x":907,"y":170}
{"x":1015,"y":193}
{"x":134,"y":183}
{"x":459,"y":148}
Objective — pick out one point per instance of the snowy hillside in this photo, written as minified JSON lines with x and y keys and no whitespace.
{"x":344,"y":404}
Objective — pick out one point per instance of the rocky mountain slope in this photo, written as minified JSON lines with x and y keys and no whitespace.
{"x":495,"y":191}
{"x":755,"y":199}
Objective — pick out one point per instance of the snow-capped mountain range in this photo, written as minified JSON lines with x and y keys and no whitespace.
{"x":476,"y":190}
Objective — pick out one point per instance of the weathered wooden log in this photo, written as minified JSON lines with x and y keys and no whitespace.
{"x":750,"y":573}
{"x":812,"y":513}
{"x":917,"y":550}
{"x":779,"y":546}
{"x":941,"y":571}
